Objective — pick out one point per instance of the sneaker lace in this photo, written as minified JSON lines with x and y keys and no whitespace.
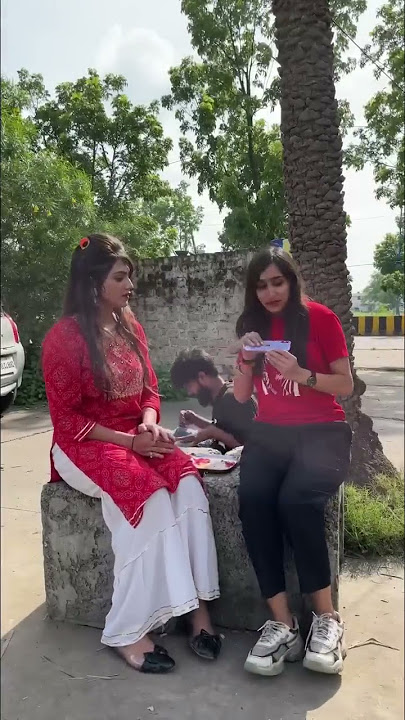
{"x":271,"y":630}
{"x":324,"y":630}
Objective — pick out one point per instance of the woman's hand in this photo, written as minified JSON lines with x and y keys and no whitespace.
{"x":286,"y":364}
{"x":158,"y":433}
{"x":252,"y":339}
{"x":145,"y":444}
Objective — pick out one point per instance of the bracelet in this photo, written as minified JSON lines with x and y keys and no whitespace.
{"x":132,"y":443}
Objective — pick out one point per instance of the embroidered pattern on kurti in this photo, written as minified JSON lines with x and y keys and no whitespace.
{"x":76,"y":405}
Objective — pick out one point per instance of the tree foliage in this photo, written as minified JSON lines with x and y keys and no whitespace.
{"x":389,"y":261}
{"x":50,"y":199}
{"x":374,"y":295}
{"x":381,"y":142}
{"x":221,"y":101}
{"x":120,"y":146}
{"x":46,"y":205}
{"x":176,"y":211}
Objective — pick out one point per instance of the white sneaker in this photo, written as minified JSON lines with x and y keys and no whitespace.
{"x":277,"y":643}
{"x":325,"y":648}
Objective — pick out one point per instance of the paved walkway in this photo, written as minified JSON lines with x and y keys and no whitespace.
{"x":379,"y":353}
{"x":46,"y":666}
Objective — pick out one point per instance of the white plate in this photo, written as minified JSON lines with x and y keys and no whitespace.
{"x":202,"y":452}
{"x":209,"y":460}
{"x":8,"y":366}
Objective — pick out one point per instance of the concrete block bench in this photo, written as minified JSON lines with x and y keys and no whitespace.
{"x":78,"y":558}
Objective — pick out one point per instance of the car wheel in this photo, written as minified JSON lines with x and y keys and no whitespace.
{"x":6,"y":401}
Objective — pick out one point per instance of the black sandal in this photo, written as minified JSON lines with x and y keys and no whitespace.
{"x":156,"y":661}
{"x":206,"y":646}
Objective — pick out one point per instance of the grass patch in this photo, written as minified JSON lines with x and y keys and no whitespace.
{"x":383,"y":313}
{"x":166,"y":389}
{"x":374,"y":517}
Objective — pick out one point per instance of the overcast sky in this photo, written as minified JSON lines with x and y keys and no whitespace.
{"x":142,"y":39}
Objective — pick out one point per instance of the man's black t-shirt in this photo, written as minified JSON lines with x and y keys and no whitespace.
{"x":232,"y":416}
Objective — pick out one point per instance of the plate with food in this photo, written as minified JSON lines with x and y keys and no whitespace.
{"x":209,"y":460}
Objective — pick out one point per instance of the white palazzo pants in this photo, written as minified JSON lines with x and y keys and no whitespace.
{"x":162,"y":567}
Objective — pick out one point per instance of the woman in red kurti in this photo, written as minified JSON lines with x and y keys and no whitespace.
{"x":104,"y":404}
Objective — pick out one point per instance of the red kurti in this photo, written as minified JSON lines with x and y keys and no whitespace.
{"x":76,"y":405}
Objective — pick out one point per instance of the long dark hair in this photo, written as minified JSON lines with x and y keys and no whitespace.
{"x":255,"y":317}
{"x":91,"y":262}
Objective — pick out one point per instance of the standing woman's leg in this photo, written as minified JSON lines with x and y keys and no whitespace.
{"x":260,"y":480}
{"x":320,"y":465}
{"x":261,"y":474}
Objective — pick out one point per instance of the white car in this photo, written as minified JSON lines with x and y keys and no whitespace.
{"x":12,"y":361}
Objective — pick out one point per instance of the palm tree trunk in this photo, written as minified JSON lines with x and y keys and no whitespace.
{"x":314,"y":188}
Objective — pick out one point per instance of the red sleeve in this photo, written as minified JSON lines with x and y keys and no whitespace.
{"x":62,"y":353}
{"x":331,"y":336}
{"x":150,"y":396}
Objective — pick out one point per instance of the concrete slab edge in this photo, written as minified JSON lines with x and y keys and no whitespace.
{"x":380,"y":369}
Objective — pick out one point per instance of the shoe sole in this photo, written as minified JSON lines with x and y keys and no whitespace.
{"x":318,"y":667}
{"x":276,"y":668}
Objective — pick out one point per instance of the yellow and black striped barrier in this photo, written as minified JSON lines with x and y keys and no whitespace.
{"x":379,"y":324}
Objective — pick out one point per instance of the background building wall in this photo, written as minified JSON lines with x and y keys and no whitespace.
{"x":191,"y":301}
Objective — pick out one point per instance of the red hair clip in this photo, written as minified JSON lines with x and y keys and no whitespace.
{"x":84,"y":243}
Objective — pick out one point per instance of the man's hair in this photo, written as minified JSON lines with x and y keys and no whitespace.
{"x":188,"y":365}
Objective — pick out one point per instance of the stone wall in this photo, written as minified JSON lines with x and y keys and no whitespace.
{"x":78,"y":559}
{"x":191,"y":301}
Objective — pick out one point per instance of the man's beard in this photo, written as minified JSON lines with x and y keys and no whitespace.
{"x":204,"y":397}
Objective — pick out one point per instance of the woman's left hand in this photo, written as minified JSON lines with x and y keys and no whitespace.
{"x":158,"y":432}
{"x":285,"y":363}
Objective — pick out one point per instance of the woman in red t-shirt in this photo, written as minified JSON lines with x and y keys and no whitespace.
{"x":296,"y":458}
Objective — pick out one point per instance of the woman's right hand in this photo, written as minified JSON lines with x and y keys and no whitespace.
{"x":252,"y":339}
{"x":144,"y":444}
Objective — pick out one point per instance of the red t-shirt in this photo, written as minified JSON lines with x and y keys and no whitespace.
{"x":283,"y":402}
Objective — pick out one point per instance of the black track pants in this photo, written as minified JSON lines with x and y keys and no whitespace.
{"x":287,"y":474}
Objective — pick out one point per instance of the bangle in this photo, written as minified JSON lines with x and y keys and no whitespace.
{"x":132,"y":443}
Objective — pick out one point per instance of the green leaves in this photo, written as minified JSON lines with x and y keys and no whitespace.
{"x":379,"y":298}
{"x":381,"y":143}
{"x":176,"y":211}
{"x":389,"y":260}
{"x":345,"y":14}
{"x":217,"y":102}
{"x":220,"y":100}
{"x":46,"y":204}
{"x":389,"y":254}
{"x":120,"y":146}
{"x":87,"y":160}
